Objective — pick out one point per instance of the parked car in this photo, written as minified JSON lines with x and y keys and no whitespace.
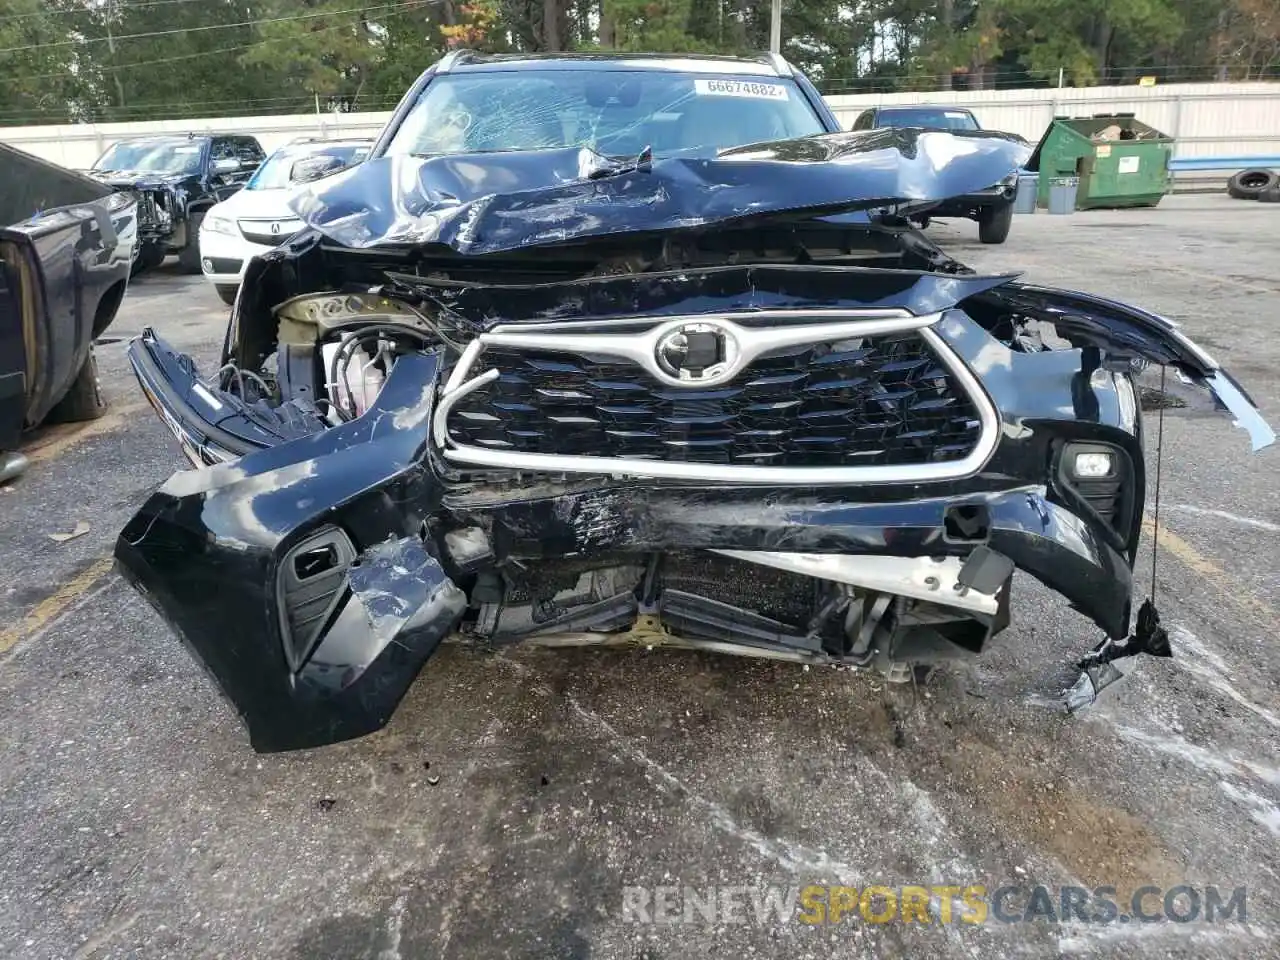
{"x":64,"y":269}
{"x":257,"y":218}
{"x":638,"y":349}
{"x":992,"y":206}
{"x":176,"y":179}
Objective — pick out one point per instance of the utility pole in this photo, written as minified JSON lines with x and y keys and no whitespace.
{"x":775,"y":27}
{"x":110,"y":13}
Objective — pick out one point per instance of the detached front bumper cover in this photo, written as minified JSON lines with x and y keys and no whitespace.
{"x":207,"y":548}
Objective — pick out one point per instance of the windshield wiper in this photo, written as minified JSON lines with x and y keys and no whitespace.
{"x":641,"y":163}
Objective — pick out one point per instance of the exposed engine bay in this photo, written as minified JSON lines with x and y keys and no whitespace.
{"x":804,"y":435}
{"x":333,"y":350}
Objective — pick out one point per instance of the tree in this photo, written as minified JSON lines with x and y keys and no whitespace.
{"x":131,"y":59}
{"x":39,"y":69}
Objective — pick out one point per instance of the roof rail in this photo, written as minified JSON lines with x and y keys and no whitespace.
{"x":451,"y":58}
{"x":780,"y":64}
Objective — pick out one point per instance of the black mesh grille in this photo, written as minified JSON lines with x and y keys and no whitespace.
{"x":261,"y":233}
{"x":870,"y":401}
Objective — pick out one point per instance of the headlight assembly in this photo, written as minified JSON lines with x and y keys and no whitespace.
{"x":219,"y":225}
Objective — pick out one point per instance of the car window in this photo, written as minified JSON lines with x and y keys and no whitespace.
{"x":223,"y":149}
{"x":152,"y":156}
{"x":935,"y":117}
{"x":617,"y":113}
{"x":248,"y":151}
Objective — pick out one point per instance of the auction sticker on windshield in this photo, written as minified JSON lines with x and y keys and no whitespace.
{"x":739,"y":88}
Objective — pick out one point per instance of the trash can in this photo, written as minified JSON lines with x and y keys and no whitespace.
{"x":1063,"y":193}
{"x":1119,"y":160}
{"x":1024,"y":201}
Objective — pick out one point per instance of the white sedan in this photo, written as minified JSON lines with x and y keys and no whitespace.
{"x":257,"y":218}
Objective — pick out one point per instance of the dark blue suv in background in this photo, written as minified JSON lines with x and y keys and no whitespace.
{"x":991,"y":207}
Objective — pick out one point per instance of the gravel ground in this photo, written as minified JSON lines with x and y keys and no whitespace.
{"x":514,"y":797}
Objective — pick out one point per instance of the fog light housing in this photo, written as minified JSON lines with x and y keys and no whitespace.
{"x":207,"y":265}
{"x":1102,"y":476}
{"x":1092,"y":465}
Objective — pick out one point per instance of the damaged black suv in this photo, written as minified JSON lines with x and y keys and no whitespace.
{"x":175,"y":180}
{"x":638,"y":349}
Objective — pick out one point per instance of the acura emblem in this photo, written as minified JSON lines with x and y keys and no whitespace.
{"x":275,"y":228}
{"x":697,"y":353}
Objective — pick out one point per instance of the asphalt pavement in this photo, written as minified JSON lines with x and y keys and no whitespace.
{"x":539,"y":803}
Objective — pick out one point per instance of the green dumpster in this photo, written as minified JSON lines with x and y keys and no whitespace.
{"x":1120,"y":161}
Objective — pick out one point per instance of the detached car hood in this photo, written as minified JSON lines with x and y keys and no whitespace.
{"x":488,"y":203}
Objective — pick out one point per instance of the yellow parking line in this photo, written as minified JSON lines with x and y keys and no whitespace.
{"x":55,"y":440}
{"x":52,"y":607}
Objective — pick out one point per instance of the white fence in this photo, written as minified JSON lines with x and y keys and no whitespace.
{"x":1207,"y":119}
{"x":78,"y":145}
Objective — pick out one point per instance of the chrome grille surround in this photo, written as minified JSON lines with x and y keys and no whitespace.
{"x":639,"y":344}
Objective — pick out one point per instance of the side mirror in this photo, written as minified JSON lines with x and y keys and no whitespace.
{"x":314,"y":168}
{"x":226,"y":165}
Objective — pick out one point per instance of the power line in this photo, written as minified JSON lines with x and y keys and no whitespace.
{"x":231,"y":49}
{"x":368,"y":100}
{"x":82,"y":10}
{"x":211,"y":26}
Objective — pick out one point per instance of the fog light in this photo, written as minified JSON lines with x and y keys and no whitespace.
{"x":207,"y":265}
{"x":1092,"y":466}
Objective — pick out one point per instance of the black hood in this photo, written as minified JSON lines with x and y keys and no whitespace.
{"x":139,"y":179}
{"x":493,"y":202}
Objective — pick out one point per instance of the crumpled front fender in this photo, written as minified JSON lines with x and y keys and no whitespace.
{"x":318,"y":646}
{"x":1124,"y":331}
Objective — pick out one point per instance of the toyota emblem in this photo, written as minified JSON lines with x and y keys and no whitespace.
{"x":697,"y":353}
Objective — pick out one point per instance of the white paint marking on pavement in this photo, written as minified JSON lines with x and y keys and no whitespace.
{"x":1260,"y":808}
{"x":395,"y":926}
{"x":105,"y":934}
{"x":1201,"y":662}
{"x":1227,"y":763}
{"x":1223,"y":515}
{"x":795,"y":857}
{"x":1087,"y":940}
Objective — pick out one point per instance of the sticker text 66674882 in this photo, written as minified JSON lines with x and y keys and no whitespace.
{"x":705,"y":86}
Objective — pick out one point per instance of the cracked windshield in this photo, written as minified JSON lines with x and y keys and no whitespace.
{"x":614,"y":113}
{"x":173,"y":157}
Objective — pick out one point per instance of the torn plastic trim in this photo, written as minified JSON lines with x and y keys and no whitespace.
{"x":1098,"y":670}
{"x":1237,"y":402}
{"x":1122,"y":331}
{"x":1120,"y":328}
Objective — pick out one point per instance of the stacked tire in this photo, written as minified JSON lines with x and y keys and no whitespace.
{"x":1256,"y":184}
